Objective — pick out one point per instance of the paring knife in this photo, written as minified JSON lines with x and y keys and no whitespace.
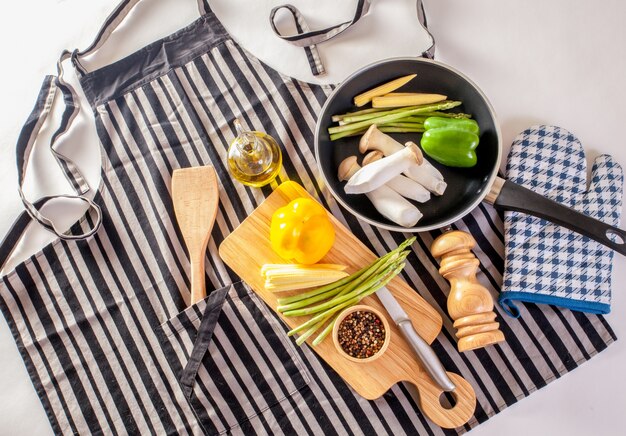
{"x":424,"y":352}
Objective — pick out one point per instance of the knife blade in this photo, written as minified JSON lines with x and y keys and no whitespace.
{"x":426,"y":355}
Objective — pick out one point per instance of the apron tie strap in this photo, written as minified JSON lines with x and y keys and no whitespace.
{"x":28,"y":136}
{"x":25,"y":144}
{"x":308,"y":39}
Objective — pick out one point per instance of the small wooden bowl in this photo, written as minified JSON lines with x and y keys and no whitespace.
{"x":362,"y":308}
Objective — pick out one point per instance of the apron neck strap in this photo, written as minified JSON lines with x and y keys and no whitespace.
{"x":308,"y":39}
{"x":112,"y":22}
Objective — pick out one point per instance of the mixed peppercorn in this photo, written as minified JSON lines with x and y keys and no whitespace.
{"x":361,"y":334}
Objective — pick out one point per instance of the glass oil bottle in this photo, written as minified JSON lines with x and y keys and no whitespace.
{"x":254,"y":158}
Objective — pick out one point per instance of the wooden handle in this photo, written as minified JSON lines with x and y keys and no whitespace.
{"x":198,"y":288}
{"x":470,"y":304}
{"x":460,"y":412}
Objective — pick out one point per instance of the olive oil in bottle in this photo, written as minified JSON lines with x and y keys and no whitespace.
{"x":254,"y":158}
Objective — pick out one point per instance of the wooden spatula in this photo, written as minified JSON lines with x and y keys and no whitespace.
{"x":195,"y":197}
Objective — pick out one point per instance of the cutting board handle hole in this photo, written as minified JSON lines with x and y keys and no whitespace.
{"x":447,"y":400}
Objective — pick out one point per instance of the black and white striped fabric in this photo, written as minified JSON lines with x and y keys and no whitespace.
{"x":103,"y":325}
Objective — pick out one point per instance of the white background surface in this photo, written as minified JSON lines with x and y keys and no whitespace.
{"x":558,"y":62}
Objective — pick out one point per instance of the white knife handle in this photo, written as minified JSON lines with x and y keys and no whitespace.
{"x":427,"y":356}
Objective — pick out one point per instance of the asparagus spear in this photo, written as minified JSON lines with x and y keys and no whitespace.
{"x":377,"y":267}
{"x":337,"y":118}
{"x":326,"y":331}
{"x":406,"y":125}
{"x":374,"y":286}
{"x":386,"y":128}
{"x":365,"y":281}
{"x":395,"y":116}
{"x":338,"y":283}
{"x":334,"y":302}
{"x":368,"y":116}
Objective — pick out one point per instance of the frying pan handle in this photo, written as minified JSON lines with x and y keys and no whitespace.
{"x":510,"y":196}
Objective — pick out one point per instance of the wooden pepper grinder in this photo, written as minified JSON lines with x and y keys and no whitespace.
{"x":470,"y":305}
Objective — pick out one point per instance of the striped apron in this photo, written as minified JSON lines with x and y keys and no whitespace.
{"x":100,"y":315}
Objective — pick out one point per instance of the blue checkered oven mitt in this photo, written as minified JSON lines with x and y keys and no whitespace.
{"x":546,"y":263}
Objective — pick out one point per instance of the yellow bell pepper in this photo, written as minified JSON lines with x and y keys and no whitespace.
{"x":302,"y":231}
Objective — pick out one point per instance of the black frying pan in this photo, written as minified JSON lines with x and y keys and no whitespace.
{"x":466,"y":186}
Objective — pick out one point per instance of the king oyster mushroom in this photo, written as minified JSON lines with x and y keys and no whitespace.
{"x":388,"y":202}
{"x":423,"y":173}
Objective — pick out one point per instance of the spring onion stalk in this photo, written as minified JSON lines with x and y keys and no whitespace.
{"x":382,"y":119}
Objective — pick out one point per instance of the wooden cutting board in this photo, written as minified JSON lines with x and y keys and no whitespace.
{"x":248,"y":248}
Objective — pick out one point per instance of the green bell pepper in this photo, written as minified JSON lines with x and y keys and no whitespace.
{"x":451,"y":141}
